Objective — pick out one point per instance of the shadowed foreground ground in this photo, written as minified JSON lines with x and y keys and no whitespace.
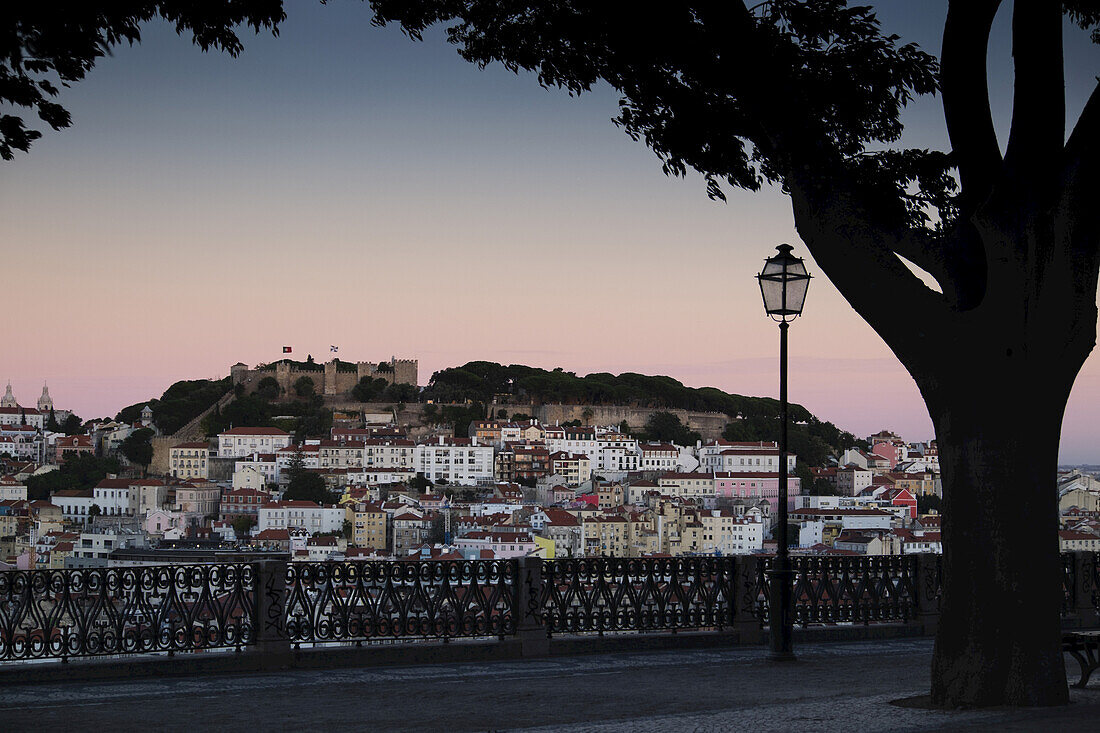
{"x":832,"y":685}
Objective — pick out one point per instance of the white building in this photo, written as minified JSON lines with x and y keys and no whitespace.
{"x":742,"y":456}
{"x":851,"y":480}
{"x":24,"y":444}
{"x":658,"y":457}
{"x":456,"y":460}
{"x":22,"y":416}
{"x":305,"y":515}
{"x":10,"y":489}
{"x":725,"y":532}
{"x":611,"y":453}
{"x":263,"y":463}
{"x":846,"y":518}
{"x":688,"y":485}
{"x":388,"y":453}
{"x":241,"y":442}
{"x":310,"y":457}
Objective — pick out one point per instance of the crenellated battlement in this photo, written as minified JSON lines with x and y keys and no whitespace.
{"x":333,"y":378}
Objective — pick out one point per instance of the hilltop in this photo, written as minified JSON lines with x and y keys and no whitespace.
{"x":468,"y":392}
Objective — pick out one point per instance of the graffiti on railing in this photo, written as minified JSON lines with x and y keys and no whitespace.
{"x":839,"y":589}
{"x":103,"y":611}
{"x":356,"y":601}
{"x":636,"y":594}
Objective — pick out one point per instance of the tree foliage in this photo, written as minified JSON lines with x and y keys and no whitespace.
{"x":304,"y":387}
{"x":44,"y":45}
{"x":72,"y":425}
{"x":180,"y":403}
{"x":813,"y":441}
{"x":808,"y":95}
{"x":268,"y":388}
{"x":480,"y":380}
{"x":242,"y":526}
{"x":927,"y":503}
{"x":137,"y":447}
{"x":77,"y":471}
{"x":308,"y":486}
{"x":665,"y":427}
{"x":369,"y":389}
{"x":247,"y":410}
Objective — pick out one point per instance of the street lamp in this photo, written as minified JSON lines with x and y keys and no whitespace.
{"x":783,"y":283}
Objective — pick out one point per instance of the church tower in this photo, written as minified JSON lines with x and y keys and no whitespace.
{"x":9,"y":399}
{"x":45,"y":402}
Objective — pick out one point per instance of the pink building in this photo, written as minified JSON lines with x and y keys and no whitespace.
{"x":891,"y":451}
{"x":503,"y":544}
{"x":756,"y":485}
{"x":73,"y":444}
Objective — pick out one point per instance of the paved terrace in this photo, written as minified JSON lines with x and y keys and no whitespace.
{"x":838,"y":685}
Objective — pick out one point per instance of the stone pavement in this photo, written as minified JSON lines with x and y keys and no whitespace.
{"x":833,"y":685}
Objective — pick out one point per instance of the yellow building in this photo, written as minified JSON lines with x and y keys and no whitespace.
{"x":605,"y":536}
{"x":611,"y":495}
{"x":368,"y":522}
{"x":545,"y":548}
{"x":189,"y":460}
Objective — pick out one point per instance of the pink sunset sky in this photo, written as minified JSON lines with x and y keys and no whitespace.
{"x":343,"y":185}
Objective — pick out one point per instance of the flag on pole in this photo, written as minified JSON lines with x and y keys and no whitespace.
{"x":333,"y":349}
{"x":286,"y":349}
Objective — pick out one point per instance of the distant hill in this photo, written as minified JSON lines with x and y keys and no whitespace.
{"x":480,"y":380}
{"x":751,"y":418}
{"x":179,"y":404}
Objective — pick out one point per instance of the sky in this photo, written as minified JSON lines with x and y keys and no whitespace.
{"x":343,"y":185}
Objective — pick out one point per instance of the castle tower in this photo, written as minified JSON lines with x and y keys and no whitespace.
{"x":9,"y":399}
{"x":45,"y":402}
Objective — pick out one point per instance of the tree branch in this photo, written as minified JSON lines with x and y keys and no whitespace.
{"x":1039,"y":103}
{"x":1083,"y":146}
{"x":861,"y":263}
{"x":1077,"y":209}
{"x":966,"y":98}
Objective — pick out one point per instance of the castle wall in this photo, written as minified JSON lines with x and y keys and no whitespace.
{"x":327,"y":379}
{"x":709,"y":424}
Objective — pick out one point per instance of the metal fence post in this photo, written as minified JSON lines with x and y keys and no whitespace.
{"x":1083,"y":589}
{"x":271,"y":600}
{"x":532,"y":636}
{"x":927,"y":585}
{"x":743,"y":603}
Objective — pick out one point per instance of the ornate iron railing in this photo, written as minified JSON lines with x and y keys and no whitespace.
{"x":1069,"y":582}
{"x":642,"y":594}
{"x":837,"y":589}
{"x":358,"y":601}
{"x":110,"y":611}
{"x":104,"y":611}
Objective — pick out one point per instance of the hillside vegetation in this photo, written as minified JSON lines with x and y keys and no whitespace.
{"x":180,"y":403}
{"x":480,"y":380}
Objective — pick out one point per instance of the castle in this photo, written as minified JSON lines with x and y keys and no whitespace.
{"x":330,"y":378}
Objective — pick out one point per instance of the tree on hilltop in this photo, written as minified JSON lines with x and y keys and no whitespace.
{"x":808,"y":96}
{"x":137,"y":447}
{"x":304,"y":387}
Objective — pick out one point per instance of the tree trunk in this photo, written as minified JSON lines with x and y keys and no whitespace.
{"x":998,"y":641}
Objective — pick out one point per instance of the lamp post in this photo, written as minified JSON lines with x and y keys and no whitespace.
{"x":783,"y":284}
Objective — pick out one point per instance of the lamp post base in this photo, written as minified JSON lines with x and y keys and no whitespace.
{"x":781,"y":627}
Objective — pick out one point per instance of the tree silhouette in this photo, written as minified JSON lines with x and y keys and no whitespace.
{"x":138,"y":448}
{"x":808,"y":96}
{"x":43,"y":44}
